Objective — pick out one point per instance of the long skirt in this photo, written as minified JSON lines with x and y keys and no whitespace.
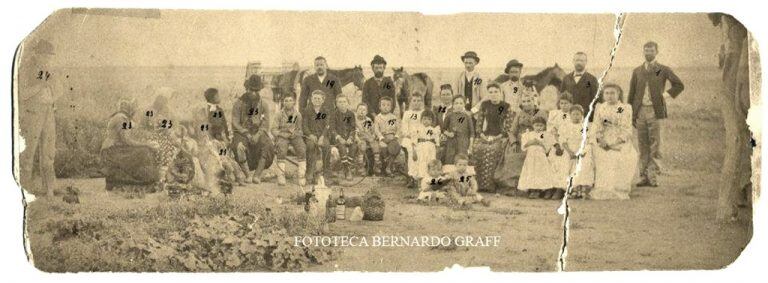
{"x":485,"y":157}
{"x":614,"y":172}
{"x":511,"y":164}
{"x":425,"y":152}
{"x":586,"y":173}
{"x":537,"y":172}
{"x":561,"y":169}
{"x":134,"y":166}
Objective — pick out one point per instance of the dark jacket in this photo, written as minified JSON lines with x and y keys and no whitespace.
{"x":218,"y":121}
{"x":342,"y":124}
{"x":583,"y":91}
{"x":373,"y":91}
{"x":331,"y":85}
{"x":655,"y":78}
{"x":316,"y":123}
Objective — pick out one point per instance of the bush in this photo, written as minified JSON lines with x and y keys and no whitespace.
{"x":78,"y":143}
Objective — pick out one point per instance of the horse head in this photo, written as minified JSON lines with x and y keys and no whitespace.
{"x":357,"y":76}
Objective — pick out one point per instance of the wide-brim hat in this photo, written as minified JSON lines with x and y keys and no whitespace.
{"x":253,"y":83}
{"x":470,"y":54}
{"x":512,"y":63}
{"x":378,"y":60}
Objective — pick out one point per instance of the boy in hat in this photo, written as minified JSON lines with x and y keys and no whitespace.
{"x":288,"y":131}
{"x":387,"y":127}
{"x":470,"y":84}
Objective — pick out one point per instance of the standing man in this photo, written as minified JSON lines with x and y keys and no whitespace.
{"x":646,"y":94}
{"x":512,"y":88}
{"x":580,"y":83}
{"x":378,"y":86}
{"x":254,"y":149}
{"x":37,"y":126}
{"x":470,"y":84}
{"x":320,"y":80}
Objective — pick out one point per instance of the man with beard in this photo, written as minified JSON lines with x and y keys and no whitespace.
{"x":250,"y":124}
{"x":580,"y":83}
{"x":320,"y":80}
{"x":378,"y":86}
{"x":646,"y":94}
{"x":512,"y":87}
{"x":470,"y":84}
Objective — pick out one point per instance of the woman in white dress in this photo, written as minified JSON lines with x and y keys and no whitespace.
{"x":615,"y":156}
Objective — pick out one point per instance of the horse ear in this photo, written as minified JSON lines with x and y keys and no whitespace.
{"x":556,"y":65}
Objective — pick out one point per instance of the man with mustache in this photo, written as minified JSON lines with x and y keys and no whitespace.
{"x":320,"y":80}
{"x":646,"y":94}
{"x":580,"y":83}
{"x":512,"y":88}
{"x":470,"y":83}
{"x":378,"y":86}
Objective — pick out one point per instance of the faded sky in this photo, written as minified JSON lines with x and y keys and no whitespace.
{"x":185,"y":37}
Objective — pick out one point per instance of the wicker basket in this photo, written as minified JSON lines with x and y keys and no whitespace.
{"x":373,"y":206}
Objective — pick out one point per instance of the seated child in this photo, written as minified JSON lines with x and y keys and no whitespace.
{"x":315,"y":128}
{"x":432,"y":187}
{"x":463,"y":184}
{"x":537,"y":174}
{"x":342,"y":127}
{"x":288,"y":131}
{"x":232,"y":172}
{"x":387,"y":128}
{"x":366,"y":138}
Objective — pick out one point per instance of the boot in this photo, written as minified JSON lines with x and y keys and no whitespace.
{"x":246,"y":172}
{"x":302,"y":173}
{"x":281,"y":173}
{"x":256,"y":179}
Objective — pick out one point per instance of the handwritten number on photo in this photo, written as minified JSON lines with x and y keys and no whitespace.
{"x":391,"y":122}
{"x":223,"y":151}
{"x":203,"y":127}
{"x":320,"y":116}
{"x":253,"y":111}
{"x":127,"y":125}
{"x":330,"y":84}
{"x":166,"y":124}
{"x":218,"y":114}
{"x":461,"y":119}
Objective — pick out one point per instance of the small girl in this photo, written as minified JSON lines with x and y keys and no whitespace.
{"x":424,"y":148}
{"x":560,"y":115}
{"x":561,"y":163}
{"x":458,"y":130}
{"x":537,"y":174}
{"x":570,"y":139}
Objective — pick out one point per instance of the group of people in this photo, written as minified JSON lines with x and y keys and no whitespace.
{"x":476,"y":136}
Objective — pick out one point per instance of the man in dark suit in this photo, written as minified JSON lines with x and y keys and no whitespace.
{"x":580,"y":83}
{"x":646,"y":94}
{"x":378,"y":86}
{"x":320,"y":80}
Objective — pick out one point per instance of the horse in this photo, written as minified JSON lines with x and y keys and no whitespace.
{"x":407,"y":84}
{"x":549,"y":76}
{"x":290,"y":82}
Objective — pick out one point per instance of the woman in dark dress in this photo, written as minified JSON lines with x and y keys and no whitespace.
{"x":518,"y":122}
{"x":489,"y":146}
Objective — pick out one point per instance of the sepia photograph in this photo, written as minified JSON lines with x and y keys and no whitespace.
{"x":161,"y":140}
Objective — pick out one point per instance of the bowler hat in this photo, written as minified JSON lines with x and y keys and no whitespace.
{"x":253,"y":83}
{"x":512,"y":63}
{"x":378,"y":60}
{"x":471,"y":54}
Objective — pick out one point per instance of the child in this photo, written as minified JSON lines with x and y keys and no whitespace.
{"x":315,"y":129}
{"x":342,"y":127}
{"x":432,"y":187}
{"x":458,"y":131}
{"x":537,"y":174}
{"x":560,"y":115}
{"x":288,"y":131}
{"x":219,"y":127}
{"x":366,"y":138}
{"x":463,"y":186}
{"x":232,"y":172}
{"x":409,"y":129}
{"x":443,"y":106}
{"x":424,"y":148}
{"x":570,"y":140}
{"x":387,"y":127}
